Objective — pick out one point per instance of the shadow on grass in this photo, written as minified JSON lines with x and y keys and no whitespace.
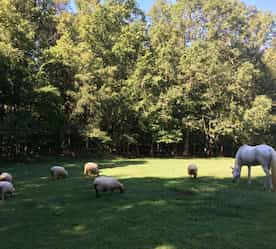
{"x":121,"y":163}
{"x":75,"y":167}
{"x":153,"y":213}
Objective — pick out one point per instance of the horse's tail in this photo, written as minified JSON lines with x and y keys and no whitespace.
{"x":273,"y":170}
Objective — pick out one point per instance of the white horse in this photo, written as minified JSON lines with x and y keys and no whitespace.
{"x":263,"y":155}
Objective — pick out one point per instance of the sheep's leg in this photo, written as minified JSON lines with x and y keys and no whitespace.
{"x":97,"y":192}
{"x":249,"y":175}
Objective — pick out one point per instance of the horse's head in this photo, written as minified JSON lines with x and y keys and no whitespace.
{"x":236,"y":172}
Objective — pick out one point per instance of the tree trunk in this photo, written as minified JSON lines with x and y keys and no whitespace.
{"x":87,"y":144}
{"x":187,"y":143}
{"x":152,"y":150}
{"x":221,"y":152}
{"x":137,"y":150}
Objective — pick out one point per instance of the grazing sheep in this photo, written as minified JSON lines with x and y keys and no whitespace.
{"x":192,"y":170}
{"x":4,"y":176}
{"x":6,"y":188}
{"x":107,"y":183}
{"x":58,"y":172}
{"x":91,"y":169}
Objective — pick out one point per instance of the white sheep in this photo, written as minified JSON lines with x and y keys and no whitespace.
{"x":193,"y":170}
{"x":107,"y":183}
{"x":6,"y":188}
{"x":91,"y":169}
{"x":58,"y":172}
{"x":4,"y":176}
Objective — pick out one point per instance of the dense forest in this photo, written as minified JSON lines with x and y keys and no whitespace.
{"x":191,"y":77}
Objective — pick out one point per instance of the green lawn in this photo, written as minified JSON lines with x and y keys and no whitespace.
{"x":162,"y":207}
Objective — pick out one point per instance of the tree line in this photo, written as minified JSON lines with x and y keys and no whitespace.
{"x":192,"y":77}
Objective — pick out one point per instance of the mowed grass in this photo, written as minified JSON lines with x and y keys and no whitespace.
{"x":162,"y":207}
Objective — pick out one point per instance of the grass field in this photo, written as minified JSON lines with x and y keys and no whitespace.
{"x":162,"y":207}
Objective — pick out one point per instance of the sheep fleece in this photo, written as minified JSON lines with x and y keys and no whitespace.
{"x":5,"y":177}
{"x":58,"y":171}
{"x":105,"y":183}
{"x":90,"y":168}
{"x":6,"y":187}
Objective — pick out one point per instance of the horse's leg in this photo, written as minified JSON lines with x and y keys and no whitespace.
{"x":267,"y":182}
{"x":249,"y":174}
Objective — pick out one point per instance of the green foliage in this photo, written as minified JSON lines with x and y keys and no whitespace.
{"x":95,"y":133}
{"x":191,"y":74}
{"x":257,"y":119}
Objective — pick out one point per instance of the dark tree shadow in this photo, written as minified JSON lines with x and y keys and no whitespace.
{"x":121,"y":163}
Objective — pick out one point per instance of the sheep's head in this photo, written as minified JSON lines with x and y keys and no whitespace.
{"x":95,"y":171}
{"x":122,"y":188}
